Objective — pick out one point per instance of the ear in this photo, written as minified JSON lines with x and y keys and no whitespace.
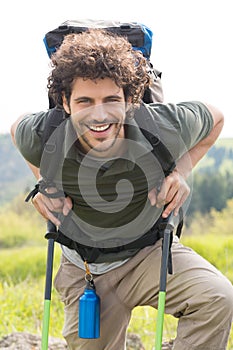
{"x":65,"y":104}
{"x":128,"y":104}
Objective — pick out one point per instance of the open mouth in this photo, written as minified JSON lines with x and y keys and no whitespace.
{"x":99,"y":128}
{"x":101,"y":137}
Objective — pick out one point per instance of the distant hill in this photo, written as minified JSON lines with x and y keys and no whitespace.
{"x":16,"y":177}
{"x":219,"y":158}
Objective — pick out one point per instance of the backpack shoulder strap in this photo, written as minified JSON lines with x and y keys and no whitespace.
{"x":55,"y":117}
{"x":51,"y":150}
{"x":52,"y":145}
{"x":146,"y":123}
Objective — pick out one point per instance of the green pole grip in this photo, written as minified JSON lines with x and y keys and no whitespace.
{"x":160,"y":320}
{"x":45,"y":330}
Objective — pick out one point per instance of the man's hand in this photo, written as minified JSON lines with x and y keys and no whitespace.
{"x":46,"y":206}
{"x":174,"y":192}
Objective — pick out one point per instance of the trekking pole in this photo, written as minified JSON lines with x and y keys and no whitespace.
{"x":168,"y":228}
{"x":51,"y":228}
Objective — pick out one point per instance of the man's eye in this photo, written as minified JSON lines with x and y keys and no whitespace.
{"x":84,"y":101}
{"x":114,"y":99}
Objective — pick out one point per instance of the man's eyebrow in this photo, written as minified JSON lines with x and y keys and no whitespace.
{"x":109,"y":97}
{"x":82,"y":98}
{"x":113,"y":97}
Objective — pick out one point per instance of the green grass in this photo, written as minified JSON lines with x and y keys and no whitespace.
{"x":18,"y":264}
{"x":143,"y":322}
{"x":22,"y":308}
{"x":22,"y":282}
{"x":218,"y":250}
{"x":18,"y":230}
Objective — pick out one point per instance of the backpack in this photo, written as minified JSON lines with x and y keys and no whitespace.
{"x":141,"y":39}
{"x":139,"y":35}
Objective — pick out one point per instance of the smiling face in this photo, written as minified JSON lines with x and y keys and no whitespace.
{"x":97,"y":110}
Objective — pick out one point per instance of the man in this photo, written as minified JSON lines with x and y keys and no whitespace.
{"x":114,"y":194}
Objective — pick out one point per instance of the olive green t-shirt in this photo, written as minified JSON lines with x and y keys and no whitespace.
{"x":110,"y":196}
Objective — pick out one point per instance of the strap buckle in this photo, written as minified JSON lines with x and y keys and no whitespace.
{"x":42,"y":187}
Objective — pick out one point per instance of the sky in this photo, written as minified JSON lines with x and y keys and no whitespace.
{"x":192,"y":46}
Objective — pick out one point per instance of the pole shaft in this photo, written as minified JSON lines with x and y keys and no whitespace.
{"x":164,"y":260}
{"x":47,"y":296}
{"x":160,"y":320}
{"x":49,"y":269}
{"x":162,"y":290}
{"x":45,"y":330}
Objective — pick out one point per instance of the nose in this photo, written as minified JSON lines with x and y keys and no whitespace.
{"x":99,"y":112}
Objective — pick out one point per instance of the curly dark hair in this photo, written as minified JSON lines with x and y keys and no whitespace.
{"x":96,"y":54}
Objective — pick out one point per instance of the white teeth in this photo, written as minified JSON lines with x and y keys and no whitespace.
{"x":99,"y":127}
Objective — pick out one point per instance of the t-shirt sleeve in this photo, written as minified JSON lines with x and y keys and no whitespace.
{"x":195,"y":122}
{"x":181,"y":126}
{"x":28,"y":137}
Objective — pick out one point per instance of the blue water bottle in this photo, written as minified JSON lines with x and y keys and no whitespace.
{"x":89,"y":313}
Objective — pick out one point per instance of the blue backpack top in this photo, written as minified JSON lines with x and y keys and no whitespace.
{"x":139,"y":35}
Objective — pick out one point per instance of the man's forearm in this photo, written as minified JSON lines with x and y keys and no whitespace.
{"x":190,"y":159}
{"x":35,"y":170}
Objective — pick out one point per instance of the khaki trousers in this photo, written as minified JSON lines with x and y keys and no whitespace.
{"x":197,"y":294}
